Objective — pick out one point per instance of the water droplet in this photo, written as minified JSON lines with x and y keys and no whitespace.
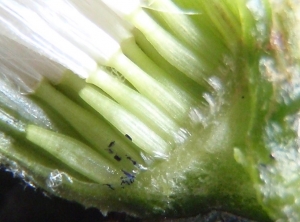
{"x":55,"y":179}
{"x":181,"y":136}
{"x":216,"y":84}
{"x":211,"y":101}
{"x":197,"y":117}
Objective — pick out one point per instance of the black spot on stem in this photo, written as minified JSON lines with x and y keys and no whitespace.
{"x":263,"y":165}
{"x":133,"y":161}
{"x":128,"y":137}
{"x":117,"y":158}
{"x":110,"y":186}
{"x":111,"y":144}
{"x":110,"y":151}
{"x":128,"y":178}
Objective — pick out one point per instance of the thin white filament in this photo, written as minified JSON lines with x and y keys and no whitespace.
{"x":26,"y":27}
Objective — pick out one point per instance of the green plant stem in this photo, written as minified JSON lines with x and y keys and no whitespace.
{"x":95,"y":131}
{"x":171,"y":49}
{"x":120,"y":118}
{"x":148,"y":86}
{"x":134,"y":102}
{"x":181,"y":25}
{"x":16,"y":147}
{"x":224,"y":22}
{"x":12,"y":124}
{"x":74,"y":154}
{"x":135,"y":53}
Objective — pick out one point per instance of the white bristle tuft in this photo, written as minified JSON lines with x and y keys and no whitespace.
{"x":20,"y":61}
{"x":117,"y":28}
{"x":20,"y":23}
{"x":64,"y":18}
{"x":124,"y":7}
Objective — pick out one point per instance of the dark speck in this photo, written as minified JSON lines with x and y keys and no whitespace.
{"x":263,"y":165}
{"x":133,"y":161}
{"x":110,"y":151}
{"x":111,"y":144}
{"x":110,"y":186}
{"x":128,"y":137}
{"x":117,"y":158}
{"x":127,"y":179}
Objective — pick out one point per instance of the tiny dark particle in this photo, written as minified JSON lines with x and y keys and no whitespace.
{"x":111,"y":144}
{"x":127,"y":174}
{"x":117,"y":158}
{"x":243,"y":97}
{"x":124,"y":182}
{"x":128,"y":137}
{"x":127,"y":179}
{"x":133,"y":161}
{"x":110,"y":186}
{"x":263,"y":165}
{"x":110,"y":151}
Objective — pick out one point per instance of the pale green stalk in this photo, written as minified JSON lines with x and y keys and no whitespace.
{"x":148,"y":87}
{"x":166,"y":78}
{"x":128,"y":124}
{"x":75,"y":154}
{"x":93,"y":129}
{"x":175,"y":52}
{"x":134,"y":102}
